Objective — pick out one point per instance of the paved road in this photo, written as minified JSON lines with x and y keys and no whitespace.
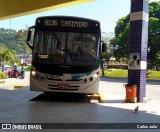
{"x":112,"y":88}
{"x":16,"y":107}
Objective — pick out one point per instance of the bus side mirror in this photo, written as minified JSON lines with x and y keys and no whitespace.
{"x":29,"y":36}
{"x":104,"y":47}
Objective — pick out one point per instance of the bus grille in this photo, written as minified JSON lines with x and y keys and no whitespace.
{"x":63,"y":89}
{"x":68,"y":80}
{"x":55,"y":87}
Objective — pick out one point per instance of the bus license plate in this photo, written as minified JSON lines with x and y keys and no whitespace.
{"x":63,"y":86}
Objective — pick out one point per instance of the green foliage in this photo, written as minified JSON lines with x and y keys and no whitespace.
{"x":118,"y":73}
{"x":15,"y":40}
{"x":12,"y":42}
{"x":153,"y":75}
{"x":154,"y":9}
{"x":2,"y":75}
{"x":121,"y":25}
{"x":123,"y":42}
{"x":27,"y":68}
{"x":122,"y":36}
{"x":112,"y":45}
{"x":106,"y":56}
{"x":7,"y":56}
{"x":154,"y":42}
{"x":158,"y":61}
{"x":21,"y":42}
{"x":8,"y":38}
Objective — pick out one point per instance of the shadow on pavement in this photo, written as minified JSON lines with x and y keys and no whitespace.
{"x":116,"y":101}
{"x":61,"y":97}
{"x":15,"y":107}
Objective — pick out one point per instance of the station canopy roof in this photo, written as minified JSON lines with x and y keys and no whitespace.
{"x":16,"y":8}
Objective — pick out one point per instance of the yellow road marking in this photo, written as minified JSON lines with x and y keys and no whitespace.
{"x":99,"y":97}
{"x":18,"y":86}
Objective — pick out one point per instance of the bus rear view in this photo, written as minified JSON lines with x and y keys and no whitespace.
{"x":65,"y":55}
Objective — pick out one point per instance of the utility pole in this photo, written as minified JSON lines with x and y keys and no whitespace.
{"x":10,"y":20}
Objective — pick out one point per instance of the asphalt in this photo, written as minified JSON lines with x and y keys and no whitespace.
{"x":18,"y":105}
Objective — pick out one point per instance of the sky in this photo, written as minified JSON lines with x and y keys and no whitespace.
{"x":108,"y":12}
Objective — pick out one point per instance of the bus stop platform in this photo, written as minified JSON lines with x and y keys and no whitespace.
{"x":23,"y":106}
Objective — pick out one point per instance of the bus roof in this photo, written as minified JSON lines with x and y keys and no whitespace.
{"x":67,"y":23}
{"x":67,"y":17}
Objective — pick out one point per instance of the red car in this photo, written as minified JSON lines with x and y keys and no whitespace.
{"x":10,"y":72}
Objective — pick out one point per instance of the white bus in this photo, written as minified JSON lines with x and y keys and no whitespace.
{"x":66,"y":54}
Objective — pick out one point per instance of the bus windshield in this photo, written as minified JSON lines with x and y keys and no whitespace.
{"x":66,"y":48}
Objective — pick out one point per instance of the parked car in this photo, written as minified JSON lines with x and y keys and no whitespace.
{"x":10,"y":72}
{"x":6,"y":68}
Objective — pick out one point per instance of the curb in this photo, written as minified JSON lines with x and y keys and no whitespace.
{"x":18,"y":86}
{"x":102,"y":98}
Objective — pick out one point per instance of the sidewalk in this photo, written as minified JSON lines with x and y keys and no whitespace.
{"x":11,"y":82}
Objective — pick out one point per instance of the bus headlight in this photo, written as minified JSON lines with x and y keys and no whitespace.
{"x":33,"y":73}
{"x":95,"y":75}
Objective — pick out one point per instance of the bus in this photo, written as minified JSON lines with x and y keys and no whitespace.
{"x":66,"y":54}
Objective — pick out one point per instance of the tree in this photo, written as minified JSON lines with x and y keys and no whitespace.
{"x":122,"y":35}
{"x":154,"y":41}
{"x":122,"y":43}
{"x":21,"y":42}
{"x":15,"y":40}
{"x":7,"y":56}
{"x":106,"y":37}
{"x":7,"y":38}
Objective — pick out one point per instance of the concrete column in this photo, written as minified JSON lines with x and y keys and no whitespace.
{"x":138,"y":46}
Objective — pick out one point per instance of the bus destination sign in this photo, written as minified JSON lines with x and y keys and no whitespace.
{"x":65,"y":23}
